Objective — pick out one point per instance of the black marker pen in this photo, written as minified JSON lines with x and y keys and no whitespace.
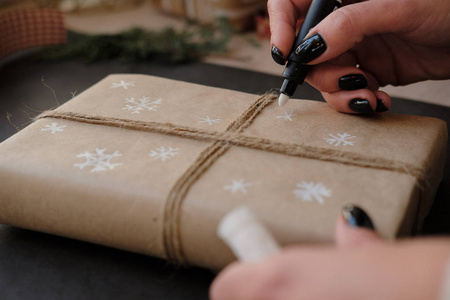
{"x":295,"y":72}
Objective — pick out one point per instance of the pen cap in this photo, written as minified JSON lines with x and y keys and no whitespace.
{"x":246,"y":236}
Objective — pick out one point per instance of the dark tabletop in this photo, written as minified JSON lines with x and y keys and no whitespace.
{"x":40,"y":266}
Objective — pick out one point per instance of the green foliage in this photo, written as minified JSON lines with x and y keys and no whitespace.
{"x":167,"y":45}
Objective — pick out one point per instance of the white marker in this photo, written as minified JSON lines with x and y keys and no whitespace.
{"x":296,"y":70}
{"x":246,"y":235}
{"x":283,"y":99}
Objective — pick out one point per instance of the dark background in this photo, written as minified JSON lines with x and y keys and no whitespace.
{"x":40,"y":266}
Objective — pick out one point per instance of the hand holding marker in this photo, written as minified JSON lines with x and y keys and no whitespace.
{"x":295,"y":71}
{"x":364,"y":45}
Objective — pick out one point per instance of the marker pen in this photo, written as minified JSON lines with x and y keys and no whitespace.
{"x":295,"y":72}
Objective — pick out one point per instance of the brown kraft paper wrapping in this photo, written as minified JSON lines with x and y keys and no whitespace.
{"x":150,"y":165}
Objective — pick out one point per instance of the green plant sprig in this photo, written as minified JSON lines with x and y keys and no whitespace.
{"x":137,"y":44}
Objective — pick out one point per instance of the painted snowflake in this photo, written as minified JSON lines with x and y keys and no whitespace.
{"x":343,"y":139}
{"x":99,"y":161}
{"x":163,"y":154}
{"x":144,"y":103}
{"x":309,"y":191}
{"x":54,"y":128}
{"x":287,"y":116}
{"x":238,"y":186}
{"x":123,"y":84}
{"x":209,"y":121}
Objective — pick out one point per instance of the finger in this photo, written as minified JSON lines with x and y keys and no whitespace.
{"x":383,"y":100}
{"x":345,"y":59}
{"x":354,"y":228}
{"x":347,"y":26}
{"x":330,"y":78}
{"x":225,"y":284}
{"x":352,"y":102}
{"x":249,"y":281}
{"x":283,"y":16}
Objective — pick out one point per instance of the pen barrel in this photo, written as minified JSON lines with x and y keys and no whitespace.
{"x":318,"y":10}
{"x":295,"y":71}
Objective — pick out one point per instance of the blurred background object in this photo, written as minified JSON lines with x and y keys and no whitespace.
{"x":240,"y":13}
{"x":75,"y":6}
{"x":247,"y":46}
{"x":27,"y":24}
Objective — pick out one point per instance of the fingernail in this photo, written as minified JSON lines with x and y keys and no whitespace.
{"x":380,"y":106}
{"x":360,"y":105}
{"x":352,"y":82}
{"x":311,"y":48}
{"x":356,"y":217}
{"x":277,"y":56}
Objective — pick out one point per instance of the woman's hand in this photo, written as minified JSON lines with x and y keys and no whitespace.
{"x":360,"y":266}
{"x":368,"y":44}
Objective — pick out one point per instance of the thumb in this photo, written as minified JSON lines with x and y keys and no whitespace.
{"x":354,"y":228}
{"x":347,"y":26}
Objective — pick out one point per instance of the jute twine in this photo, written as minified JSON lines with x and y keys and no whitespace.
{"x":221,"y":142}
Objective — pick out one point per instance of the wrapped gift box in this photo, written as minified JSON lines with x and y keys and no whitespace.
{"x":151,"y":165}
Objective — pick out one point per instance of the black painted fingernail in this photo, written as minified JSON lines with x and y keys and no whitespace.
{"x":356,"y":217}
{"x":311,"y":48}
{"x":360,"y":105}
{"x":353,"y":82}
{"x":380,"y":106}
{"x":277,"y":56}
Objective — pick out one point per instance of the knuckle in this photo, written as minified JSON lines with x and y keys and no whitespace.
{"x":279,"y":13}
{"x":405,"y":15}
{"x":270,"y":5}
{"x":276,"y":20}
{"x":318,"y":81}
{"x":346,"y":21}
{"x":318,"y":78}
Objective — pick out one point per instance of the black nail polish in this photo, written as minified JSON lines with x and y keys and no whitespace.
{"x":277,"y":56}
{"x":356,"y":217}
{"x":360,"y":105}
{"x":352,"y":82}
{"x":380,"y":106}
{"x":311,"y":48}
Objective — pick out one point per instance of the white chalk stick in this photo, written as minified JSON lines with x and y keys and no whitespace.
{"x":246,"y":235}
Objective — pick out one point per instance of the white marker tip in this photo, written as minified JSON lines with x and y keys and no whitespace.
{"x":283,"y":99}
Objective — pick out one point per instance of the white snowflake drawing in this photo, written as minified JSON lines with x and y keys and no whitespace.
{"x":143,"y":103}
{"x":54,"y":128}
{"x":99,"y":161}
{"x":163,"y":154}
{"x":340,"y":139}
{"x":287,"y":116}
{"x":238,"y":186}
{"x":209,"y":121}
{"x":123,"y":84}
{"x":309,"y":191}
